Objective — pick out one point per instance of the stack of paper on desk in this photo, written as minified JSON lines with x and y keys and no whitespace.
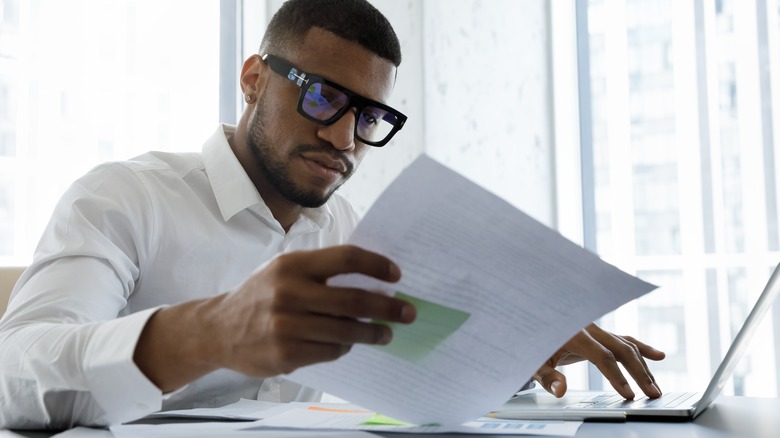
{"x":315,"y":420}
{"x":352,"y":417}
{"x":496,"y":291}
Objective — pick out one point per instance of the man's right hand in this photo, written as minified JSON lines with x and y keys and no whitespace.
{"x":284,"y":316}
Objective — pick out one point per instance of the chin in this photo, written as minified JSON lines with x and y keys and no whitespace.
{"x":312,"y":199}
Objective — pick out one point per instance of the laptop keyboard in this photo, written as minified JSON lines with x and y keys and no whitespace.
{"x":615,"y":400}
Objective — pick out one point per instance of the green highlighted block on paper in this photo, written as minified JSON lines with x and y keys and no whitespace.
{"x":433,"y":325}
{"x":383,"y":420}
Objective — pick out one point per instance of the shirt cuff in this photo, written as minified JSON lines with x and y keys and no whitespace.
{"x":113,"y":378}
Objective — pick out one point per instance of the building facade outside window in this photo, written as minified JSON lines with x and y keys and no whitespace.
{"x":683,"y":115}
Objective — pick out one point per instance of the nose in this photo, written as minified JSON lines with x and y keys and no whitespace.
{"x":341,"y":134}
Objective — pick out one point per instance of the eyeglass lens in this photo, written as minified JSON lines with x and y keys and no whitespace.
{"x":323,"y":102}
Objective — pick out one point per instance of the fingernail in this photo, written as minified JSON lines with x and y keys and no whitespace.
{"x":655,"y":386}
{"x":557,"y":387}
{"x":386,"y":336}
{"x":408,"y":313}
{"x":395,"y":271}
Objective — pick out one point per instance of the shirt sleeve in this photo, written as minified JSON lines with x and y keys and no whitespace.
{"x":66,"y":340}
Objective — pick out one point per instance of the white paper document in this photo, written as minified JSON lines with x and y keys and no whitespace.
{"x":241,"y":410}
{"x":318,"y":417}
{"x":264,"y":418}
{"x":224,"y":430}
{"x":497,"y":294}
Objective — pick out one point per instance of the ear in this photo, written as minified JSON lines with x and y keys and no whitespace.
{"x":254,"y":75}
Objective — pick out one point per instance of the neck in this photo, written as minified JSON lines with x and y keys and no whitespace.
{"x":285,"y":212}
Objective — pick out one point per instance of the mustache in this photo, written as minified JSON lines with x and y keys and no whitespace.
{"x":335,"y":154}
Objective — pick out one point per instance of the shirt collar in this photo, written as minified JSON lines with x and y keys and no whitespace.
{"x":235,"y":192}
{"x":232,"y":187}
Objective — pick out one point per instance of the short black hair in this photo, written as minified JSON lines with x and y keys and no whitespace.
{"x":354,"y":20}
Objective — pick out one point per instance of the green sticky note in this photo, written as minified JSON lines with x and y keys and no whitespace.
{"x":382,"y":420}
{"x":433,"y":325}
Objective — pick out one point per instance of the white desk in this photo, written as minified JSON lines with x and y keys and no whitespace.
{"x":742,"y":417}
{"x":733,"y":417}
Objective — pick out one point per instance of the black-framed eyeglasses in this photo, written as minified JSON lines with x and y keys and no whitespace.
{"x":324,"y":102}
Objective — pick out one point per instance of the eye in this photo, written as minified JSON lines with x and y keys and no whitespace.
{"x":370,"y":118}
{"x":332,"y":96}
{"x":373,"y":116}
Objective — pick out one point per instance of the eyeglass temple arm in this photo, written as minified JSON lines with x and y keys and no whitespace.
{"x":285,"y":69}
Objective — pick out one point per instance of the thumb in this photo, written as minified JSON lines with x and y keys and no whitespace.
{"x":551,"y":380}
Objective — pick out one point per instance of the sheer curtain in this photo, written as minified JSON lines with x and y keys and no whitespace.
{"x":88,"y":81}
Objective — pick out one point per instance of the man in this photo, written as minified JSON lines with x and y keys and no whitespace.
{"x":185,"y":280}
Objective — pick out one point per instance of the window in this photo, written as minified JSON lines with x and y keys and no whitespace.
{"x":680,"y":174}
{"x":88,"y":81}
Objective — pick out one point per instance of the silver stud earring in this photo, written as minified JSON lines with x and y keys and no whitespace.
{"x":248,"y":98}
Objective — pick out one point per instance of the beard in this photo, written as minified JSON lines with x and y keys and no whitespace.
{"x":275,"y":168}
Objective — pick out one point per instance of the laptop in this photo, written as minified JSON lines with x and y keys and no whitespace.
{"x":537,"y":404}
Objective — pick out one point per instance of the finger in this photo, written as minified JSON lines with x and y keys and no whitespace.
{"x":551,"y":380}
{"x":646,"y":350}
{"x":348,"y":302}
{"x":607,"y":364}
{"x":589,"y":347}
{"x":566,"y":355}
{"x":323,"y":329}
{"x":636,"y":366}
{"x":640,"y":372}
{"x":358,"y":303}
{"x":628,"y":354}
{"x":325,"y":263}
{"x":290,"y":356}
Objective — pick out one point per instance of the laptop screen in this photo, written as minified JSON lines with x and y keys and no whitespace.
{"x":741,"y":342}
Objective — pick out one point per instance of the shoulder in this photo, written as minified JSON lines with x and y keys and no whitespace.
{"x":132,"y":173}
{"x":179,"y":164}
{"x":138,"y":185}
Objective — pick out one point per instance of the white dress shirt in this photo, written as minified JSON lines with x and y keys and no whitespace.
{"x":124,"y":240}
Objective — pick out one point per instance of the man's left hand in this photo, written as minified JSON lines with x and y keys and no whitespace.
{"x":604,"y":350}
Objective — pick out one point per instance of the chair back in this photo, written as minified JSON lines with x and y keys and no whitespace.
{"x":8,"y":277}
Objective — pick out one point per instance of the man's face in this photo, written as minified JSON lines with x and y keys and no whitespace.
{"x":302,"y":161}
